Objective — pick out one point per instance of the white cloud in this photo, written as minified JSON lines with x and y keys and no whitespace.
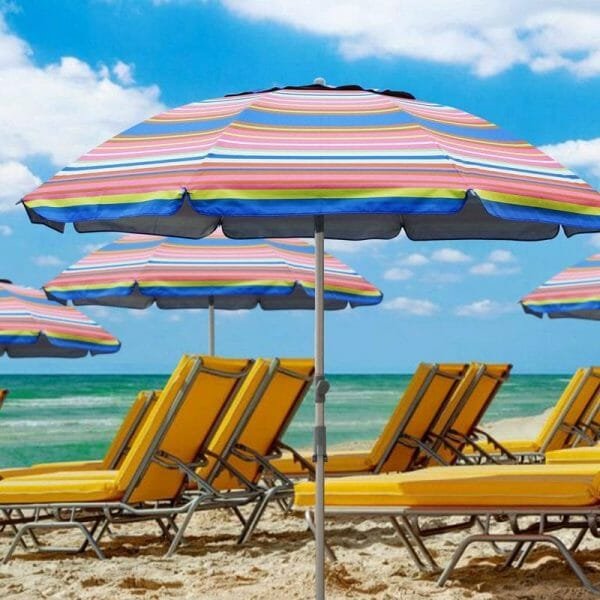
{"x":412,"y":306}
{"x":450,"y":255}
{"x":594,"y":240}
{"x":487,"y":36}
{"x":492,"y":268}
{"x":47,"y":260}
{"x":501,"y":256}
{"x":397,"y":274}
{"x":485,"y":309}
{"x":16,"y":180}
{"x":174,"y":318}
{"x":123,"y":72}
{"x":6,"y":230}
{"x":415,"y":260}
{"x":579,"y":155}
{"x":63,"y":109}
{"x":352,"y":247}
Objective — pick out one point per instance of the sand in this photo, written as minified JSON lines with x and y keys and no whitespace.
{"x":278,"y":563}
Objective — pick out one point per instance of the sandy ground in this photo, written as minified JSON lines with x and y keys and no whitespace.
{"x":278,"y":562}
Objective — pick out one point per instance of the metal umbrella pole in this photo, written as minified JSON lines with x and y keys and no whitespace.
{"x":211,"y":325}
{"x":321,"y":388}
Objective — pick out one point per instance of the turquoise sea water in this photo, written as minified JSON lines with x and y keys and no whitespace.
{"x":72,"y":417}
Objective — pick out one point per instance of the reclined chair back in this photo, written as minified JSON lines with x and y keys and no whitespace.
{"x":576,"y":400}
{"x":588,"y":428}
{"x":129,"y":428}
{"x":180,"y":425}
{"x":465,"y":410}
{"x":254,"y":427}
{"x":427,"y":393}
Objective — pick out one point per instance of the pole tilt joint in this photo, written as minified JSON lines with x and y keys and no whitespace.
{"x":320,"y":443}
{"x":322,"y":386}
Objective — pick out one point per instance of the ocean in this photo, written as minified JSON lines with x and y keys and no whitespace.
{"x":72,"y":417}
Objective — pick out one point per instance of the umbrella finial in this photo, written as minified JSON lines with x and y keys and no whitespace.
{"x":320,"y":81}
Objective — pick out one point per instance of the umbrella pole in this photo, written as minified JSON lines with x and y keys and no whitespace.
{"x":321,"y":387}
{"x":211,"y":326}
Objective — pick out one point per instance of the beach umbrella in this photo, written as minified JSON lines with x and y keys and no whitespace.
{"x":33,"y":326}
{"x":346,"y":163}
{"x":574,"y":292}
{"x":215,"y":272}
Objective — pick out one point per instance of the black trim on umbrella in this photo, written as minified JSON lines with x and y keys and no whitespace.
{"x":318,"y":86}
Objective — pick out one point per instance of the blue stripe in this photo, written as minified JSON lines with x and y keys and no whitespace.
{"x":155,"y":208}
{"x":243,"y":207}
{"x":161,"y":128}
{"x":565,"y":308}
{"x":513,"y":212}
{"x":388,"y":119}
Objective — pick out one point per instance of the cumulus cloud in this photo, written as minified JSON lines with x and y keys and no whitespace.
{"x":583,"y":156}
{"x":59,"y":110}
{"x":47,"y":260}
{"x":412,"y":306}
{"x":501,"y":256}
{"x":415,"y":260}
{"x":16,"y":180}
{"x":492,"y":268}
{"x":5,"y":230}
{"x":353,"y":246}
{"x":450,"y":255}
{"x":484,"y":309}
{"x":397,"y":274}
{"x":486,"y":36}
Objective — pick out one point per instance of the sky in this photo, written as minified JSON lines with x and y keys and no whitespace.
{"x":75,"y":73}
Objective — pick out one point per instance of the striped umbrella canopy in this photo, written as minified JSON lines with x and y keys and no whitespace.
{"x":33,"y":326}
{"x":214,"y":272}
{"x":338,"y":162}
{"x":371,"y":162}
{"x":574,"y":292}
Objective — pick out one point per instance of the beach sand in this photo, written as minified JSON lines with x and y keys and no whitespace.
{"x":278,"y":562}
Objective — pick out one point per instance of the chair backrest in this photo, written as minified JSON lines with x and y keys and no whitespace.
{"x":466,"y":408}
{"x":575,"y":400}
{"x":429,"y":389}
{"x":180,"y":424}
{"x":130,"y":426}
{"x":260,"y":423}
{"x":589,"y":422}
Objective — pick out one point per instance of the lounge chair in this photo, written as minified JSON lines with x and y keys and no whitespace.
{"x":522,"y":505}
{"x":251,"y":433}
{"x":457,"y":427}
{"x":116,"y":452}
{"x":149,"y":482}
{"x":425,"y":397}
{"x":574,"y":421}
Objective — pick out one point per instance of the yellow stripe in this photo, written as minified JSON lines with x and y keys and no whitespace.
{"x":557,"y":301}
{"x":117,"y":199}
{"x":532,"y":202}
{"x":333,"y":194}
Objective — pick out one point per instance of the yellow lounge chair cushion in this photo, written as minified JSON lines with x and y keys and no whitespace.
{"x":574,"y":455}
{"x":338,"y":462}
{"x":479,"y":486}
{"x":75,"y":486}
{"x":514,"y":446}
{"x":78,"y":465}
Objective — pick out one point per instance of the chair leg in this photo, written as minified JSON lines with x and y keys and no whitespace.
{"x":310,"y":521}
{"x":409,"y":547}
{"x":186,"y":521}
{"x":420,"y":544}
{"x":519,"y":539}
{"x":256,"y":514}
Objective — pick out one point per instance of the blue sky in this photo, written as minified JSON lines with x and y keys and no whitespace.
{"x":74,"y":73}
